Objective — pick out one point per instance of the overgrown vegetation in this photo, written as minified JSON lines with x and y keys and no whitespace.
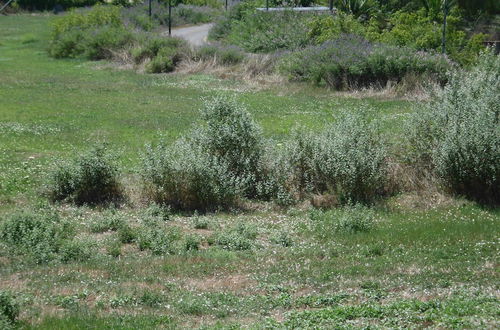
{"x":212,"y":166}
{"x":9,"y":310}
{"x":458,"y":133}
{"x":350,"y":62}
{"x":40,"y":235}
{"x":91,"y":178}
{"x":338,"y":251}
{"x":417,"y":27}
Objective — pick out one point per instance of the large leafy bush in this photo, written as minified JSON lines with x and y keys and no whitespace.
{"x":210,"y":168}
{"x":232,"y":136}
{"x":423,"y":31}
{"x":348,"y":160}
{"x":94,"y":33}
{"x":458,"y":134}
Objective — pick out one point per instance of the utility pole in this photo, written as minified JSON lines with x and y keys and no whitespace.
{"x":267,"y":5}
{"x":150,"y":9}
{"x":445,"y":11}
{"x":169,"y":18}
{"x":226,"y":5}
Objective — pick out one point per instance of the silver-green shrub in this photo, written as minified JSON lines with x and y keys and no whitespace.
{"x":184,"y":176}
{"x":351,"y":158}
{"x":91,"y":178}
{"x":458,"y":134}
{"x":217,"y":162}
{"x":232,"y":136}
{"x":347,"y":159}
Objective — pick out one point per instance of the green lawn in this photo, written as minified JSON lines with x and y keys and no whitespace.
{"x":435,"y":267}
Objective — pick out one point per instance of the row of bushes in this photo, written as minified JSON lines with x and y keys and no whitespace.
{"x":347,"y":62}
{"x":226,"y":158}
{"x":351,"y":61}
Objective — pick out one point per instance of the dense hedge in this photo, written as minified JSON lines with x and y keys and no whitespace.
{"x":351,"y":62}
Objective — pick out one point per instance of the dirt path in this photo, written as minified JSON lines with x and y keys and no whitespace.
{"x":195,"y":35}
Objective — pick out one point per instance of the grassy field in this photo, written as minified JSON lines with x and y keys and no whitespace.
{"x":430,"y":267}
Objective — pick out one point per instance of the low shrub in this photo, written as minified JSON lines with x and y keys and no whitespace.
{"x":114,"y":247}
{"x":160,"y":64}
{"x":349,"y":220}
{"x":282,"y":238}
{"x":458,"y":133}
{"x":38,"y":235}
{"x":163,"y":59}
{"x":200,"y":222}
{"x":192,"y":243}
{"x":158,"y":240}
{"x":351,"y":62}
{"x":158,"y":211}
{"x":108,"y":222}
{"x":223,"y":55}
{"x":127,"y":234}
{"x":91,"y":178}
{"x":150,"y":47}
{"x":237,"y":238}
{"x":72,"y":250}
{"x":9,"y":309}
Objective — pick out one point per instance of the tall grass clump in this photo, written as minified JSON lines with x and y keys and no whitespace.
{"x":212,"y":166}
{"x":91,"y":178}
{"x":350,"y":219}
{"x":220,"y":54}
{"x":458,"y":134}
